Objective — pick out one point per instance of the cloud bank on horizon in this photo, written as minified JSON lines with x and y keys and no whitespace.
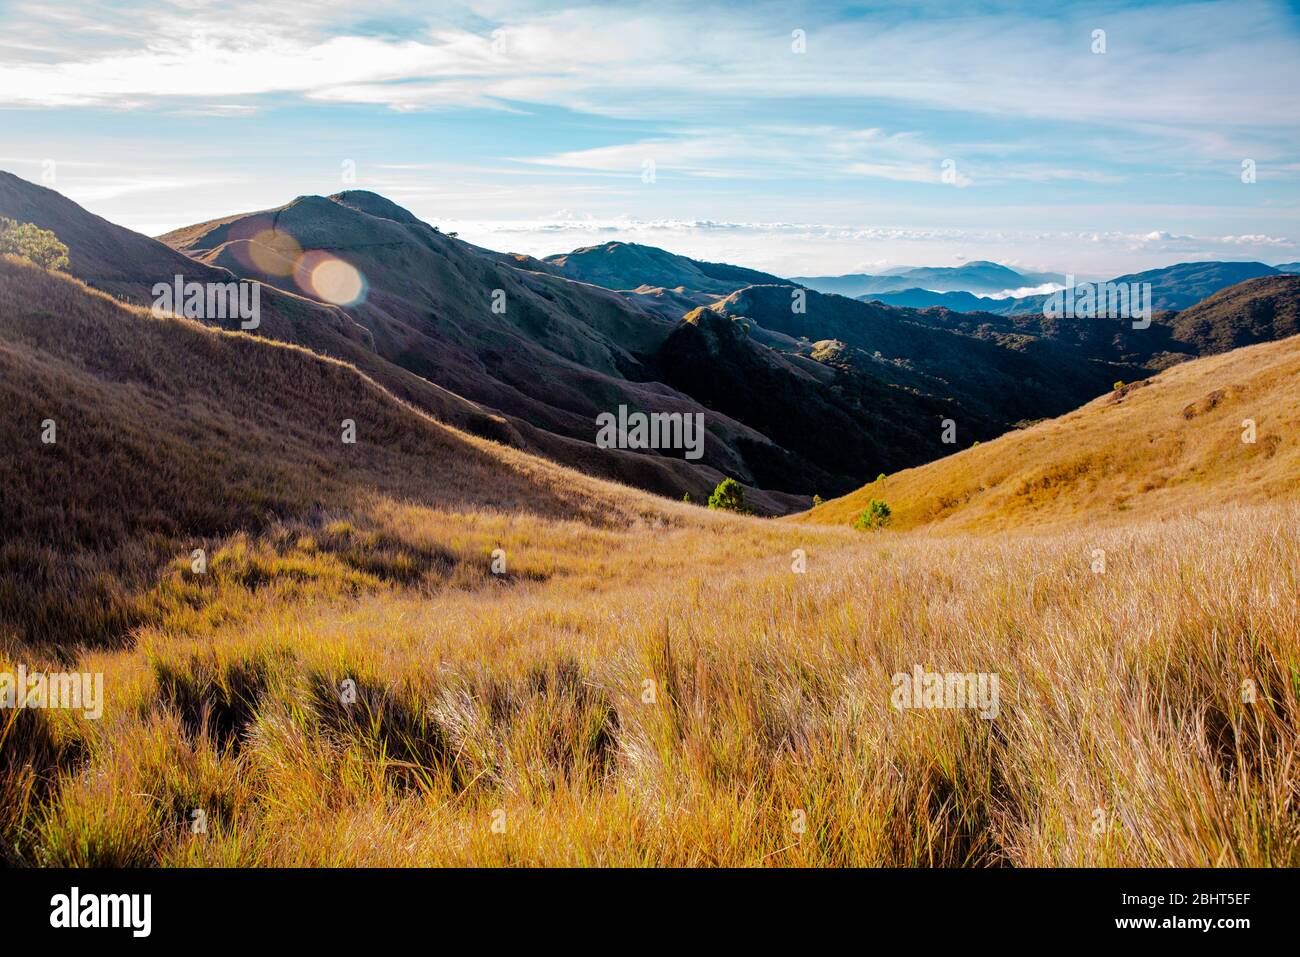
{"x":1094,"y":139}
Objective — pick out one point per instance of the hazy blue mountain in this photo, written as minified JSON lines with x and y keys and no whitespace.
{"x":1172,"y":287}
{"x":980,"y":276}
{"x":1185,"y":284}
{"x":925,"y":299}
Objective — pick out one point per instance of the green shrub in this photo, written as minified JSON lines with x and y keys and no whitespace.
{"x":818,"y":500}
{"x":875,"y":515}
{"x":32,"y":243}
{"x":729,"y":496}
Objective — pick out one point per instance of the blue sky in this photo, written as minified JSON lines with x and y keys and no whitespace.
{"x":796,"y":137}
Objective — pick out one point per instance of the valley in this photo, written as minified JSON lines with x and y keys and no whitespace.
{"x":478,"y":634}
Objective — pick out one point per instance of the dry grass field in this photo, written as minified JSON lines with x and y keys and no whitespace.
{"x":1166,"y":446}
{"x":644,"y":682}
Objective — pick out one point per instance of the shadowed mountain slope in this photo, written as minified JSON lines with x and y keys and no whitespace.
{"x":131,"y":440}
{"x":830,"y":404}
{"x":547,"y":350}
{"x":1185,"y":284}
{"x":1257,"y":310}
{"x":995,"y":382}
{"x":402,"y":359}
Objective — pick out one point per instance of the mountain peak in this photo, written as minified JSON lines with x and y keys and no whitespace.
{"x":627,"y":266}
{"x":373,"y":204}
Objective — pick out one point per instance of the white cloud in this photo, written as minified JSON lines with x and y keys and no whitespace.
{"x":98,"y":189}
{"x":1015,"y":99}
{"x":805,"y":249}
{"x":1176,"y":70}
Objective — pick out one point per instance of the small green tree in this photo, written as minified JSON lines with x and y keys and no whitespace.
{"x":1117,"y":386}
{"x":687,"y":499}
{"x":29,"y":241}
{"x":729,"y":496}
{"x":880,"y":477}
{"x":818,"y":500}
{"x":875,"y":515}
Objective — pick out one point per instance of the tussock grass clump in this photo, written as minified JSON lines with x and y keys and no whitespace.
{"x":395,"y":728}
{"x":213,"y":698}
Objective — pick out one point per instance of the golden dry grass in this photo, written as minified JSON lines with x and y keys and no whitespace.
{"x":171,"y":434}
{"x":1121,"y":697}
{"x":1161,"y":446}
{"x":647,"y":684}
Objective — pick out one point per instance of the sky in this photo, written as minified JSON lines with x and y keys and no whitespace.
{"x":799,"y":138}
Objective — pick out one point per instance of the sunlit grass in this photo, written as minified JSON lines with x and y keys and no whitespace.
{"x":681,"y":697}
{"x":428,"y":649}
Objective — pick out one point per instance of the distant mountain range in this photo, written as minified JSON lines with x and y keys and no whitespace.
{"x":1172,"y":287}
{"x":973,"y":277}
{"x":802,"y":392}
{"x":1257,"y":310}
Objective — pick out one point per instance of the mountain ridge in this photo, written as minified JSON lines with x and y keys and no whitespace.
{"x":127,"y":265}
{"x":801,"y":392}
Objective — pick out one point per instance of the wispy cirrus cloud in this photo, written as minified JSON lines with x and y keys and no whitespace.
{"x":826,"y":151}
{"x":1173,"y":64}
{"x":507,"y":107}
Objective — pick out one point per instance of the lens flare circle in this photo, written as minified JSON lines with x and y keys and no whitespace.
{"x":274,"y":252}
{"x":326,"y":277}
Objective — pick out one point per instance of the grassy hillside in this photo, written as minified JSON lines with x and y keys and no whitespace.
{"x":169,"y":435}
{"x":127,"y":265}
{"x":1159,"y":446}
{"x":553,"y":355}
{"x":103,"y":254}
{"x":643,"y":683}
{"x":1258,"y":310}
